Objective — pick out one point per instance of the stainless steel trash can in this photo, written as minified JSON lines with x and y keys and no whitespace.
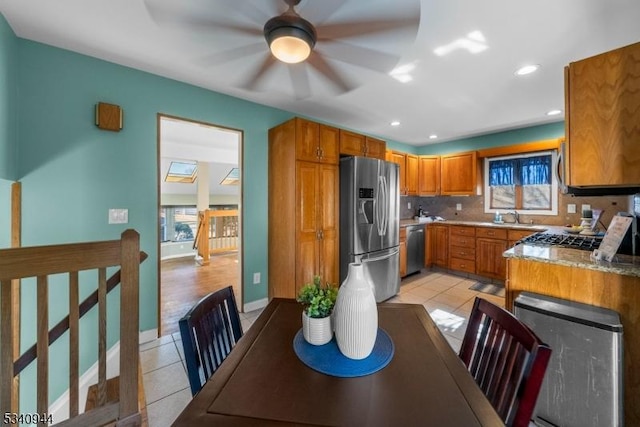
{"x":583,"y":384}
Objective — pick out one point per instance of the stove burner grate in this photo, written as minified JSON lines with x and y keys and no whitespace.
{"x":587,"y":243}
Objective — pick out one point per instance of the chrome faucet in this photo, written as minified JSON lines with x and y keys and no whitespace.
{"x":516,"y":216}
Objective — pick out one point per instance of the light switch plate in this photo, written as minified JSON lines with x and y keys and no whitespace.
{"x":256,"y":278}
{"x":458,"y":206}
{"x":571,"y":208}
{"x":118,"y":216}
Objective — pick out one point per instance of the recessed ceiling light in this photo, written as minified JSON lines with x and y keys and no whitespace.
{"x":433,"y":136}
{"x":527,"y":69}
{"x":395,"y":123}
{"x":554,"y":112}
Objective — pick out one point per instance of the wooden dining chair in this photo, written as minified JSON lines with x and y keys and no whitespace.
{"x":209,"y":331}
{"x":507,"y":360}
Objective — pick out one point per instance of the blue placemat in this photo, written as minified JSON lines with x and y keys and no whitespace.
{"x":328,"y":359}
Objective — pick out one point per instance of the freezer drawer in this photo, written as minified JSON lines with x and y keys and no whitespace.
{"x":384,"y":269}
{"x":583,"y":384}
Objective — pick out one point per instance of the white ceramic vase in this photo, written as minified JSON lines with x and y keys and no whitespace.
{"x":356,"y":314}
{"x":317,"y":330}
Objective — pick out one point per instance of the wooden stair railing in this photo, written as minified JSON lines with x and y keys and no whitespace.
{"x":43,"y":261}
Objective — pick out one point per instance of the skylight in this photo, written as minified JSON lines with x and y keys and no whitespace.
{"x":182,"y":172}
{"x":232,"y":178}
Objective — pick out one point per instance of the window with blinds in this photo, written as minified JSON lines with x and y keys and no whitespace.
{"x":524,"y":183}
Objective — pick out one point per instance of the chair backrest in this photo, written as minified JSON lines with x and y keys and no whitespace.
{"x":209,"y":332}
{"x":507,"y":360}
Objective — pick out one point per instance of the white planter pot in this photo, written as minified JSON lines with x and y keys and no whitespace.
{"x":317,"y":331}
{"x":356,"y":314}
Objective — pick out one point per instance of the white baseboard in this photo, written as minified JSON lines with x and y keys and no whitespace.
{"x":60,"y":408}
{"x":255,"y":305}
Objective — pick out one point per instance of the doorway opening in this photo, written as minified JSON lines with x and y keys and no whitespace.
{"x":200,"y":215}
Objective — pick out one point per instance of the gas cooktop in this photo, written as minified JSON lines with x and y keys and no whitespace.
{"x":587,"y":243}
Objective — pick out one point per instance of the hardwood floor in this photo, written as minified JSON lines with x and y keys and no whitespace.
{"x":184,"y":282}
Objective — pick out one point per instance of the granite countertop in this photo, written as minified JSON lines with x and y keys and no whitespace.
{"x":622,"y":264}
{"x":625,"y":265}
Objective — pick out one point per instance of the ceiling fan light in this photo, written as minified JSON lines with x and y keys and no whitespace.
{"x":290,"y":37}
{"x":290,"y":49}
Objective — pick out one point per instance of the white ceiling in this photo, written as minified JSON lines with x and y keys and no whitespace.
{"x":457,"y":95}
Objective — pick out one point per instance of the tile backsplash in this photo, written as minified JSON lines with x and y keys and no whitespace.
{"x":473,"y":208}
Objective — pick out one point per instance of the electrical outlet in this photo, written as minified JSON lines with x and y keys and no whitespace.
{"x":408,"y":205}
{"x":256,"y":278}
{"x":571,"y":208}
{"x":458,"y":206}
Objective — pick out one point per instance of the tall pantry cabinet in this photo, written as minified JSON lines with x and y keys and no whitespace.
{"x":303,"y":205}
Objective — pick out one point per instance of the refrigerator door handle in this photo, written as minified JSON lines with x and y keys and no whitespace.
{"x":379,"y":201}
{"x":380,"y":258}
{"x":382,"y":230}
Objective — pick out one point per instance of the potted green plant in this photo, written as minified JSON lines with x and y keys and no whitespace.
{"x":318,"y":302}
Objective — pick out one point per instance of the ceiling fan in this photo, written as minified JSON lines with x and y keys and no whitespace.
{"x":293,"y":40}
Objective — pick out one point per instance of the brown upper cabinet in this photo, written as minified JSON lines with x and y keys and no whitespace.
{"x":429,"y":176}
{"x":316,"y":142}
{"x":354,"y":144}
{"x":407,"y":171}
{"x":458,"y":174}
{"x":602,"y":119}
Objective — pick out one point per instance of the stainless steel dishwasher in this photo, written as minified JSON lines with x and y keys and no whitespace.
{"x":415,"y":248}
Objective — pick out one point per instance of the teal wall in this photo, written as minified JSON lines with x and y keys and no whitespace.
{"x":72,"y":172}
{"x":498,"y":139}
{"x":63,"y":156}
{"x":7,"y":99}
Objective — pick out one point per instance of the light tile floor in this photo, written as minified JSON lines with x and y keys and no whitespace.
{"x":446,"y":297}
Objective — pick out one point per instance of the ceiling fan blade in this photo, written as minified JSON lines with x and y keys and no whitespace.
{"x":319,"y":11}
{"x":252,"y":82}
{"x":300,"y":80}
{"x":365,"y":27}
{"x":232,"y":54}
{"x":319,"y":63}
{"x":165,"y":13}
{"x":358,"y":55}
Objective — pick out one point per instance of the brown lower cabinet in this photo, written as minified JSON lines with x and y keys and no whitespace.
{"x":462,"y":247}
{"x":470,"y":249}
{"x":439,"y":245}
{"x":403,"y":251}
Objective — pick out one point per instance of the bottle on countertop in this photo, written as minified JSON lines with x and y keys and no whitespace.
{"x":420,"y":211}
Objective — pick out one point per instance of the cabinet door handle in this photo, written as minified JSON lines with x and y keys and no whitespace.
{"x":321,"y":153}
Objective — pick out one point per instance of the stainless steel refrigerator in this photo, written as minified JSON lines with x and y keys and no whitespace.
{"x":369,"y":221}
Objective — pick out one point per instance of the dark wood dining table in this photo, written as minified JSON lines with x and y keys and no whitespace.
{"x":263,"y":383}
